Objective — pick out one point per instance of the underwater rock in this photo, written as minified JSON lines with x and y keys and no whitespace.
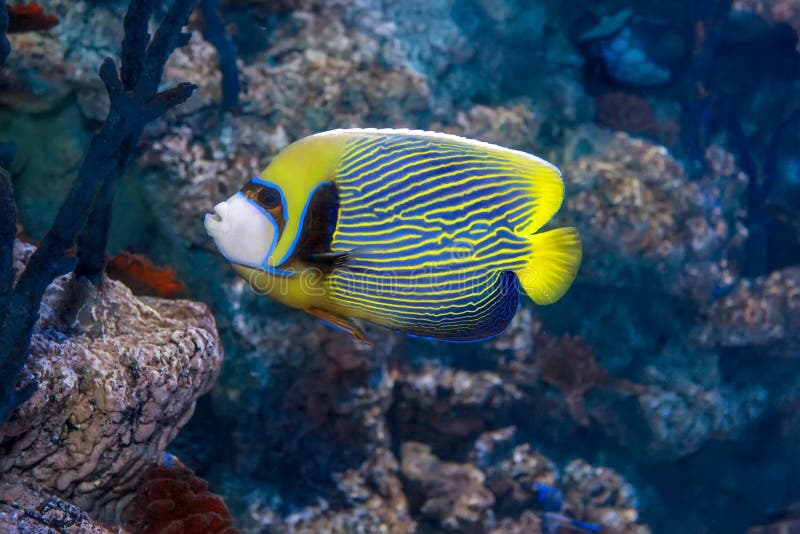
{"x":48,"y":67}
{"x":687,"y":403}
{"x":763,"y":313}
{"x":787,"y":11}
{"x":646,"y":226}
{"x":514,"y":126}
{"x":376,"y":503}
{"x":27,"y":508}
{"x":117,"y":378}
{"x":438,"y":404}
{"x":634,"y":50}
{"x":450,"y":494}
{"x":512,"y":472}
{"x":599,"y":495}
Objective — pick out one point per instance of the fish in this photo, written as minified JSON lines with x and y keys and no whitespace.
{"x":426,"y":233}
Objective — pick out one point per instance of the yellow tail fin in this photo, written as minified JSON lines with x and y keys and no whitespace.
{"x":552,"y":266}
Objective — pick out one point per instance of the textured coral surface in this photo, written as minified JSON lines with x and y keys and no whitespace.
{"x":27,"y":508}
{"x":112,"y":394}
{"x":172,"y":499}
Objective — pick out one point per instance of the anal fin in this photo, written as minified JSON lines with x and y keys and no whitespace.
{"x":340,"y":323}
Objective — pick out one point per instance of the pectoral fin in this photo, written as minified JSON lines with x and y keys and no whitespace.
{"x":340,"y":323}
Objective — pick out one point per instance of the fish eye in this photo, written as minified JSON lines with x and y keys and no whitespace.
{"x":268,"y":197}
{"x":265,"y":196}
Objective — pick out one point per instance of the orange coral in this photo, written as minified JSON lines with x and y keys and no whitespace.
{"x":29,"y":18}
{"x":138,"y":273}
{"x":173,"y":499}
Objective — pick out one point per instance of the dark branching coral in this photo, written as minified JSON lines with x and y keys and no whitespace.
{"x":5,"y":48}
{"x":761,"y":180}
{"x":172,"y":499}
{"x":214,"y":33}
{"x":135,"y":101}
{"x":705,"y":21}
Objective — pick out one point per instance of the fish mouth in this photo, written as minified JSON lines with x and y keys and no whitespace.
{"x":215,"y":221}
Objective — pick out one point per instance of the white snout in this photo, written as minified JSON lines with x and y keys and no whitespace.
{"x":243,"y":232}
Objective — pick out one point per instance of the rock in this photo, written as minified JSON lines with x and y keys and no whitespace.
{"x":762,"y":313}
{"x":439,"y":405}
{"x":376,"y":501}
{"x":646,"y":226}
{"x":118,"y":377}
{"x":601,"y":496}
{"x":27,"y":508}
{"x":512,"y":472}
{"x":450,"y":494}
{"x":787,"y":11}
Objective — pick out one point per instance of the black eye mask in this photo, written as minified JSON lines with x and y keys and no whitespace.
{"x":268,"y":198}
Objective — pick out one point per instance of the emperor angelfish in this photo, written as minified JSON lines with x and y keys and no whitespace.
{"x":427,"y":233}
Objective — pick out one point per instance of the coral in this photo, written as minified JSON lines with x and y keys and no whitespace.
{"x":135,"y":101}
{"x":633,"y":50}
{"x":173,"y":499}
{"x":687,"y":403}
{"x":376,"y":504}
{"x":112,"y":395}
{"x":85,"y":215}
{"x":773,"y":10}
{"x":645,"y":226}
{"x":453,"y":495}
{"x":512,"y":472}
{"x":27,"y":508}
{"x":527,"y":523}
{"x":601,"y":496}
{"x":142,"y":277}
{"x":214,"y":32}
{"x":632,"y":114}
{"x":5,"y":48}
{"x":29,"y":18}
{"x":568,"y":364}
{"x":762,"y":312}
{"x":438,"y":404}
{"x":788,"y":523}
{"x":514,"y":126}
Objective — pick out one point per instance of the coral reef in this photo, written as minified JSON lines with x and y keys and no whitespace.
{"x":112,"y":395}
{"x":172,"y":499}
{"x":450,"y":494}
{"x":567,"y":364}
{"x":663,"y":362}
{"x":762,"y":312}
{"x":601,"y":496}
{"x":85,"y":215}
{"x":632,"y":114}
{"x":778,"y":11}
{"x":142,"y":277}
{"x":28,"y":18}
{"x":646,"y":226}
{"x":26,"y":507}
